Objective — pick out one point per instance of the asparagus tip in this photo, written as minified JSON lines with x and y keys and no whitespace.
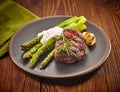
{"x":42,"y":65}
{"x":31,"y":67}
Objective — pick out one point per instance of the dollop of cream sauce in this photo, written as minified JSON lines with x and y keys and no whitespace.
{"x":51,"y":32}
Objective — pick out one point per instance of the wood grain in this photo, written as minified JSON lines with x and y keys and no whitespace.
{"x":106,"y":14}
{"x":13,"y":79}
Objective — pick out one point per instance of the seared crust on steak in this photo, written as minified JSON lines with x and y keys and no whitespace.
{"x":78,"y":47}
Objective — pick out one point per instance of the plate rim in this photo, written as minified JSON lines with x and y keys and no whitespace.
{"x":90,"y":69}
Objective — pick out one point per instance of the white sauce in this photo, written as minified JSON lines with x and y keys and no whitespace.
{"x":51,"y":32}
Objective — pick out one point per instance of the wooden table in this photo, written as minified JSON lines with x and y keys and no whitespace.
{"x":106,"y":14}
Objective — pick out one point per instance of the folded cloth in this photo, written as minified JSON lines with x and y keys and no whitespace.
{"x":12,"y":17}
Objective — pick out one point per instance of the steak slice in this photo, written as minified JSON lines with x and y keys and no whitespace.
{"x":77,"y":47}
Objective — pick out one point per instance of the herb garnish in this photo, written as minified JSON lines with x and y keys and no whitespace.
{"x":65,"y":45}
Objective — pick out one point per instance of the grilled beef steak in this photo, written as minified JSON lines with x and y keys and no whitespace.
{"x":77,"y":47}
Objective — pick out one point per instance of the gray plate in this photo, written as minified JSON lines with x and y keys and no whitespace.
{"x":95,"y":55}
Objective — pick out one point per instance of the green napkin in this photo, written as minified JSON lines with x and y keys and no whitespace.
{"x":12,"y":17}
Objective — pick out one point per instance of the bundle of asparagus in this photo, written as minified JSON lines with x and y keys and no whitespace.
{"x":34,"y":49}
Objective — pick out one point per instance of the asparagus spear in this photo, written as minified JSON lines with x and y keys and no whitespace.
{"x":47,"y":59}
{"x":29,"y":53}
{"x":26,"y":46}
{"x":82,"y":28}
{"x":81,"y":22}
{"x":69,"y":21}
{"x":70,"y":25}
{"x":41,"y":50}
{"x":80,"y":25}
